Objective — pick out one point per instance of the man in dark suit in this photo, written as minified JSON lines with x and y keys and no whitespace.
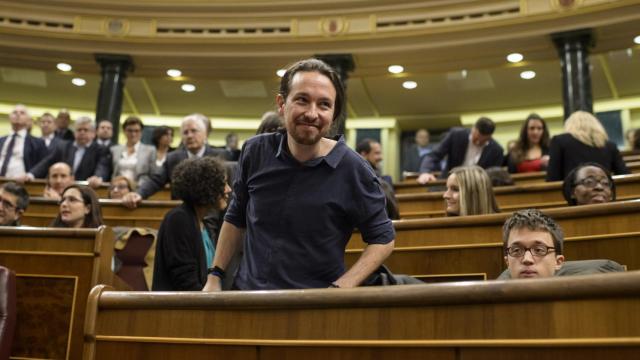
{"x":19,"y":151}
{"x":463,"y":146}
{"x":63,"y":120}
{"x":194,"y":140}
{"x":104,"y":133}
{"x":88,"y":160}
{"x":47,"y":123}
{"x":417,"y":151}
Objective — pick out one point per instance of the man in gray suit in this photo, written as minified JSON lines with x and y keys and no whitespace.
{"x":194,"y":140}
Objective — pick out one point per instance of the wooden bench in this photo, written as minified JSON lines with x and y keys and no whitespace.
{"x":36,"y":187}
{"x":411,"y":186}
{"x":149,"y":213}
{"x":541,"y":195}
{"x":56,"y":269}
{"x":616,"y":217}
{"x":485,"y":260}
{"x":566,"y":317}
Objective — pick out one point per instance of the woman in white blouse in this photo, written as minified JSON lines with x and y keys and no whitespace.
{"x":134,"y":160}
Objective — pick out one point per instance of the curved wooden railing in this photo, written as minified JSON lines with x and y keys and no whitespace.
{"x":441,"y":320}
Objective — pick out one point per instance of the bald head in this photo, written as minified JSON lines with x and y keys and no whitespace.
{"x":60,"y":176}
{"x":20,"y":118}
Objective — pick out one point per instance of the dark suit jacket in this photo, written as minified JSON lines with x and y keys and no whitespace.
{"x":53,"y":143}
{"x":162,"y":176}
{"x":34,"y":150}
{"x":96,"y":161}
{"x":412,"y":158}
{"x":567,"y":152}
{"x":454,"y":146}
{"x":65,"y":134}
{"x":180,"y":262}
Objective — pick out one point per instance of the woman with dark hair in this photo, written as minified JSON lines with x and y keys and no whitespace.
{"x":589,"y":183}
{"x":270,"y":123}
{"x":133,"y":160}
{"x":79,"y":208}
{"x":531,"y":151}
{"x":162,"y":138}
{"x":185,"y":249}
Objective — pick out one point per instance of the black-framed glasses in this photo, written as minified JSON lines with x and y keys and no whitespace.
{"x":591,"y":182}
{"x":538,"y":250}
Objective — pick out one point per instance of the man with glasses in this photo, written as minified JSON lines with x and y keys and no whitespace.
{"x":532,"y":245}
{"x":13,"y":202}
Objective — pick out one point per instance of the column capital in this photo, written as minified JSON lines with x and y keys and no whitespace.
{"x":342,"y":63}
{"x":574,"y":39}
{"x":120,"y":63}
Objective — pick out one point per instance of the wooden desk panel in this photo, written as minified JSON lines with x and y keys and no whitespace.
{"x":459,"y":259}
{"x":55,"y":270}
{"x":149,"y":213}
{"x":36,"y":187}
{"x":533,"y":195}
{"x":617,"y":217}
{"x":565,"y":315}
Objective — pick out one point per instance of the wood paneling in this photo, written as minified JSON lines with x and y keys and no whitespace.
{"x":55,"y":270}
{"x":149,"y":213}
{"x":462,"y":258}
{"x":616,"y":217}
{"x":539,"y":195}
{"x":36,"y":188}
{"x":444,"y":320}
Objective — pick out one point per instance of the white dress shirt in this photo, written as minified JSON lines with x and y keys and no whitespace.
{"x":15,"y":167}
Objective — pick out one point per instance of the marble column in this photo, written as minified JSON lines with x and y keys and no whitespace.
{"x":114,"y":73}
{"x":573,"y":49}
{"x":343,"y":64}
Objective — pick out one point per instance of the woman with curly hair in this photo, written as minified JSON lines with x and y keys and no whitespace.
{"x":185,"y":249}
{"x":79,"y":208}
{"x":469,"y":192}
{"x":531,"y":151}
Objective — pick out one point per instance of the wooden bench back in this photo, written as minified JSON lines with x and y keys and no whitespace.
{"x":541,"y":195}
{"x":569,"y":316}
{"x":485,"y":260}
{"x":56,"y":269}
{"x":149,"y":213}
{"x":599,"y":219}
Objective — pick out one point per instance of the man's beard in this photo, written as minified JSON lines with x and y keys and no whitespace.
{"x":301,"y":137}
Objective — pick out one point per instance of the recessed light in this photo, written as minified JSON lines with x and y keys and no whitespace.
{"x":64,"y":67}
{"x":188,"y":87}
{"x":395,"y":69}
{"x":409,"y":85}
{"x":79,"y":82}
{"x":637,"y":39}
{"x":281,"y":72}
{"x":514,"y":57}
{"x":174,"y":72}
{"x":528,"y":75}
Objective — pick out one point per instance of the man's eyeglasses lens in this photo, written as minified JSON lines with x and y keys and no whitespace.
{"x":536,"y":250}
